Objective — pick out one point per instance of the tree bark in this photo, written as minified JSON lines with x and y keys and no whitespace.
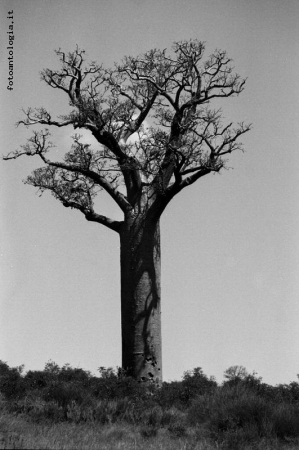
{"x":141,"y":298}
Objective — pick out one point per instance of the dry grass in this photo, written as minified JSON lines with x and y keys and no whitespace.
{"x":18,"y":433}
{"x":71,"y":410}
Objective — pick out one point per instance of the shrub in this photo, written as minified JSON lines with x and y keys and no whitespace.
{"x":148,"y":432}
{"x":195,"y":383}
{"x":171,"y":395}
{"x":37,"y":409}
{"x":240,"y":439}
{"x":47,"y":411}
{"x":74,"y":412}
{"x":236,"y":415}
{"x":172,"y":416}
{"x":286,"y":392}
{"x":53,"y":374}
{"x":109,"y":411}
{"x":153,"y":416}
{"x":112,"y":385}
{"x":285,"y":421}
{"x":64,"y":394}
{"x":181,"y":393}
{"x":68,"y":374}
{"x":177,"y":430}
{"x":37,"y":379}
{"x":238,"y":376}
{"x":228,"y":409}
{"x":11,"y":381}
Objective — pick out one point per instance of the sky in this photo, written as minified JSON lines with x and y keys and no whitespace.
{"x":230,"y":242}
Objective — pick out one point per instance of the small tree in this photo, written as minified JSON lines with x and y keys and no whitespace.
{"x":164,"y":101}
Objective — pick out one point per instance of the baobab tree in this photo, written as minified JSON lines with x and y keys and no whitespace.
{"x":164,"y":101}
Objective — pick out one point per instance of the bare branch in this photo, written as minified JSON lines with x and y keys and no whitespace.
{"x":91,"y":216}
{"x":41,"y":116}
{"x":38,"y":145}
{"x":151,"y":118}
{"x":112,"y":224}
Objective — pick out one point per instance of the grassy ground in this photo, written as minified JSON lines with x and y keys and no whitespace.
{"x":16,"y":432}
{"x":69,"y":409}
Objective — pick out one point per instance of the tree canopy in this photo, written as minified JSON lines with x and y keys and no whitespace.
{"x":163,"y":99}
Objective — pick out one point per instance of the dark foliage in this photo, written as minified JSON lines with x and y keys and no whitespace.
{"x":177,"y":430}
{"x":115,"y":384}
{"x":11,"y":381}
{"x":240,"y":411}
{"x":37,"y":379}
{"x":181,"y":393}
{"x":148,"y":432}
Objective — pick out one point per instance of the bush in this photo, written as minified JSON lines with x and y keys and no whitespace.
{"x":37,"y":409}
{"x":11,"y":382}
{"x":239,"y":414}
{"x":64,"y":394}
{"x":235,"y":414}
{"x":195,"y":383}
{"x":112,"y":385}
{"x":68,"y":374}
{"x":172,"y":416}
{"x":109,"y":411}
{"x":171,"y":395}
{"x":177,"y":430}
{"x":228,"y":409}
{"x":46,"y":411}
{"x":37,"y":379}
{"x":53,"y":374}
{"x":240,"y":439}
{"x":148,"y":432}
{"x":286,"y":393}
{"x":181,"y":393}
{"x":153,"y":416}
{"x":238,"y":376}
{"x":80,"y":413}
{"x":285,"y":421}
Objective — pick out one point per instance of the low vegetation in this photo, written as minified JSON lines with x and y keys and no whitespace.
{"x":69,"y":408}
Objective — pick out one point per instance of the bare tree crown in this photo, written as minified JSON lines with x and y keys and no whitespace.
{"x":163,"y":99}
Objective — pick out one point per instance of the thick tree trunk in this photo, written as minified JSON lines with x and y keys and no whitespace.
{"x":140,"y":299}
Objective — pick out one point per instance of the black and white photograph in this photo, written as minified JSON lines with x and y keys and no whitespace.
{"x":149,"y":231}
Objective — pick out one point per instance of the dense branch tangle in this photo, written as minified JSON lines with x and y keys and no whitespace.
{"x":161,"y":99}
